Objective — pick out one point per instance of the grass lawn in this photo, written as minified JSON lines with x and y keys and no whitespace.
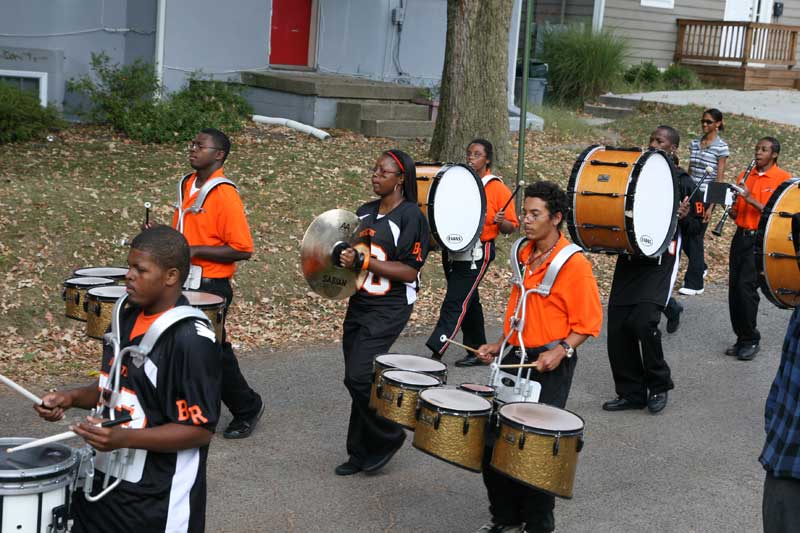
{"x":72,"y":202}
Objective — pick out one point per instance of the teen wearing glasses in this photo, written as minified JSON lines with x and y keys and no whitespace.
{"x":707,"y":151}
{"x":380,"y":309}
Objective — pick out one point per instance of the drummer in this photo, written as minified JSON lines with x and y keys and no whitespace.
{"x":461,"y":308}
{"x":640,"y":291}
{"x":174,"y":398}
{"x":378,"y":312}
{"x":555,"y":326}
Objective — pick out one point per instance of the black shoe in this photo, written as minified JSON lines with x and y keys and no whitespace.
{"x":747,"y":352}
{"x":347,"y":469}
{"x":622,"y":404}
{"x":733,"y":350}
{"x":657,"y":402}
{"x":241,"y":428}
{"x":380,"y":463}
{"x":674,"y":322}
{"x":469,"y":360}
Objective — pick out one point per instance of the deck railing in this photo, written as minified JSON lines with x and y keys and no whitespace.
{"x":742,"y":42}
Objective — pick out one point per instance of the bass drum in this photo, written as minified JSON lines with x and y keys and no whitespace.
{"x":452,"y":198}
{"x":623,"y":201}
{"x":776,"y":252}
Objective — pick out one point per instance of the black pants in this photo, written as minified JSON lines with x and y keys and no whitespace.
{"x":673,"y":309}
{"x":237,"y":395}
{"x":461,"y":308}
{"x":780,"y":509}
{"x":369,"y":330}
{"x":635,"y":353}
{"x":743,"y":288}
{"x":694,"y":248}
{"x":510,"y":501}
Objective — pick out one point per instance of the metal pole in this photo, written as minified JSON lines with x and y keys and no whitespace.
{"x":523,"y":107}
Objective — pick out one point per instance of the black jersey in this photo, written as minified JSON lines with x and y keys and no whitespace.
{"x":644,"y":279}
{"x":178,"y":383}
{"x":400,"y":235}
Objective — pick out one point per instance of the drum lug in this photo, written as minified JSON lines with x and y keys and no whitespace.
{"x":437,"y":420}
{"x":557,"y":444}
{"x":417,"y":411}
{"x":466,"y":426}
{"x":379,"y":390}
{"x":64,"y":294}
{"x":59,"y":523}
{"x":400,"y":399}
{"x":97,"y":308}
{"x":85,"y":306}
{"x":521,"y":442}
{"x":579,"y":445}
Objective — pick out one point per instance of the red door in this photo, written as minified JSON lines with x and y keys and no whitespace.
{"x":291,"y":24}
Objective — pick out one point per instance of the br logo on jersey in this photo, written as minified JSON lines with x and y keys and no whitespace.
{"x":204,"y":331}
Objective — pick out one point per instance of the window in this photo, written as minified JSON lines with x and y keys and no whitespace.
{"x":663,"y":4}
{"x":27,"y":80}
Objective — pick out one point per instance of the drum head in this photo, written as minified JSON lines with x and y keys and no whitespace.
{"x":411,"y":378}
{"x":456,"y":207}
{"x":203,"y":299}
{"x":474,"y":387}
{"x":541,"y":416}
{"x":455,"y":400}
{"x":410,"y":362}
{"x":113,"y":292}
{"x":87,"y":282}
{"x":101,"y":272}
{"x":654,"y":205}
{"x":39,"y":462}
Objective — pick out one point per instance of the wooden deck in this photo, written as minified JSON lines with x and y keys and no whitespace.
{"x":747,"y":78}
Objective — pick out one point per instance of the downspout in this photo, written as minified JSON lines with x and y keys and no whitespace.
{"x":161,"y":22}
{"x":597,"y":15}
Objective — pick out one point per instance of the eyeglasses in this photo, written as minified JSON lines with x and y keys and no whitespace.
{"x":192,"y":146}
{"x":706,"y":121}
{"x":535,"y":216}
{"x":383,"y":171}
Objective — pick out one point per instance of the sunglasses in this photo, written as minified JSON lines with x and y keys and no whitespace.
{"x":706,"y":121}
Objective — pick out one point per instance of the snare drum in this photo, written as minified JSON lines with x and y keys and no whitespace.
{"x":538,"y":446}
{"x":397,"y":394}
{"x":451,"y":425}
{"x":452,"y":198}
{"x":401,"y":361}
{"x":99,"y":306}
{"x":116,"y":273}
{"x":212,"y":305}
{"x":776,"y":258}
{"x":484,"y":391}
{"x":623,"y":201}
{"x":34,"y":486}
{"x":74,"y":294}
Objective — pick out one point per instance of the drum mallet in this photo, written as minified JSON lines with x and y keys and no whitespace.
{"x":147,"y":206}
{"x":513,"y":194}
{"x":708,"y":171}
{"x":535,"y":365}
{"x":68,"y":434}
{"x":22,"y":390}
{"x":444,"y":338}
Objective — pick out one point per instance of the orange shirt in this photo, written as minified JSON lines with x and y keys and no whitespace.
{"x":573,"y":304}
{"x":143,"y":323}
{"x":221,"y":222}
{"x":761,"y":188}
{"x":497,"y":194}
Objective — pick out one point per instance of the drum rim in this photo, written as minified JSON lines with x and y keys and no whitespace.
{"x":501,"y":419}
{"x":432,"y":211}
{"x":491,"y":390}
{"x":71,"y":283}
{"x":764,"y":223}
{"x":209,"y":305}
{"x":39,"y":472}
{"x":101,"y":297}
{"x":377,"y":363}
{"x":75,"y":272}
{"x":405,"y":385}
{"x":423,"y":403}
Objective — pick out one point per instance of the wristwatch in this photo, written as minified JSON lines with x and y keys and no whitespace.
{"x":570,"y":350}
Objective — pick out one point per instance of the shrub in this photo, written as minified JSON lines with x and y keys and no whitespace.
{"x":22,"y":118}
{"x":126,"y":97}
{"x":681,"y":77}
{"x":582,"y":64}
{"x":645,"y":75}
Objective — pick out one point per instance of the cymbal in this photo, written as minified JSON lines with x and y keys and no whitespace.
{"x":324,"y":233}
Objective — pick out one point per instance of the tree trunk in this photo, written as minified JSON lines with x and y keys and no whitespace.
{"x":473,"y":100}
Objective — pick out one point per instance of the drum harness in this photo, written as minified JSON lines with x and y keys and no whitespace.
{"x":523,"y":386}
{"x":197,"y":206}
{"x":118,"y":460}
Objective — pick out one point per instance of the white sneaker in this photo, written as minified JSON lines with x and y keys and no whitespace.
{"x":690,"y":292}
{"x":705,"y":273}
{"x":491,"y":527}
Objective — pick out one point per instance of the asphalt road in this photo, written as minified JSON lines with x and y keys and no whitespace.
{"x":691,"y":468}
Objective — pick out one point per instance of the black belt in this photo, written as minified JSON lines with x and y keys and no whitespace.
{"x":747,"y":232}
{"x":212,"y":280}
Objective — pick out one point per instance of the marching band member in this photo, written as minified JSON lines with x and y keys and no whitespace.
{"x":461,"y":308}
{"x":743,"y":275}
{"x":218,"y":236}
{"x":640,"y":290}
{"x":378,"y":312}
{"x":554,"y":326}
{"x":174,"y":398}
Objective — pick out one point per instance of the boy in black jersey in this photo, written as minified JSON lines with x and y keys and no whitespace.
{"x":640,"y":291}
{"x":173,"y":396}
{"x":379,"y":311}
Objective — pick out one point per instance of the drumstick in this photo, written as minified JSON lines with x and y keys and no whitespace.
{"x":67,"y":434}
{"x":535,"y":365}
{"x":513,"y":194}
{"x":147,"y":206}
{"x":22,"y":390}
{"x":444,"y":338}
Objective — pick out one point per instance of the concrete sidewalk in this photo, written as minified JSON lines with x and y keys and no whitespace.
{"x":693,"y":468}
{"x":782,"y":107}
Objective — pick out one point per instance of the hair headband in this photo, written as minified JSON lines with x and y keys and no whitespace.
{"x":397,"y":160}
